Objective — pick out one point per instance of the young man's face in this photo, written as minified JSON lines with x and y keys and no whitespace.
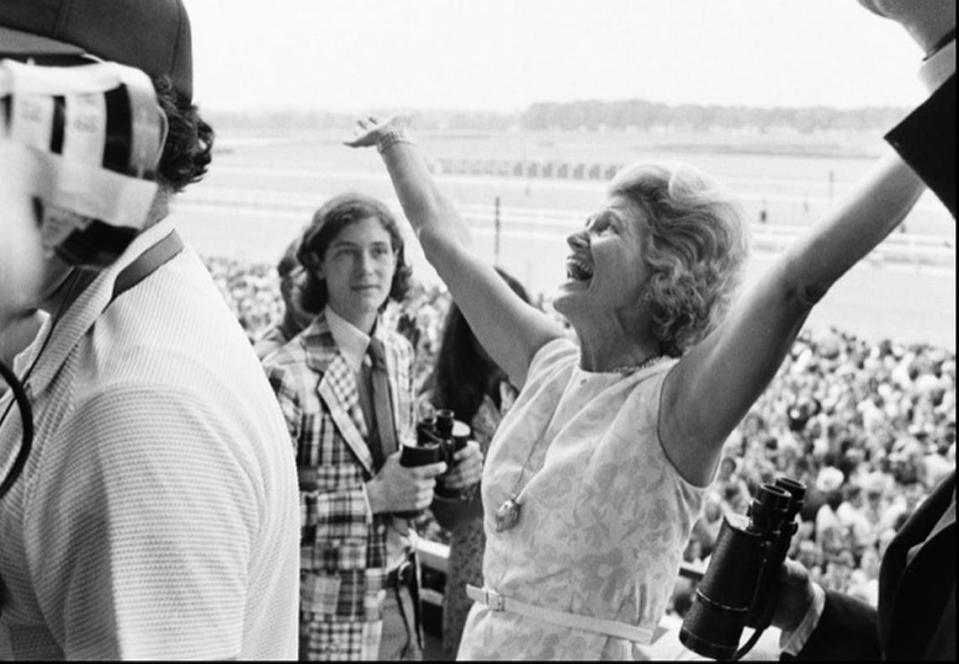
{"x":358,"y":268}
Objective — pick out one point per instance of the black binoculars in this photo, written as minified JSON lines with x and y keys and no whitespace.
{"x":740,"y":587}
{"x":438,"y":437}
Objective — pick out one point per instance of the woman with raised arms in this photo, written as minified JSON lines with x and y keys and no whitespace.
{"x":596,"y":475}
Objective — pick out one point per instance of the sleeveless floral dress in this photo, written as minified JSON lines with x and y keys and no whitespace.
{"x":605,"y":515}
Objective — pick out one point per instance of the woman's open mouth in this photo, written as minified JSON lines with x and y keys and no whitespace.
{"x":578,"y":269}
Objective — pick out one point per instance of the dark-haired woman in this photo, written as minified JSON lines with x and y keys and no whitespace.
{"x":597,"y":473}
{"x":345,"y":386}
{"x":467,"y":381}
{"x":293,"y":319}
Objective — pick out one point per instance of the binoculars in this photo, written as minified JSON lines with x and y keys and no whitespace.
{"x":438,"y":437}
{"x":740,"y":586}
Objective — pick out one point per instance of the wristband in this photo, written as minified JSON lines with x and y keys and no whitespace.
{"x":791,"y":642}
{"x":391,"y":138}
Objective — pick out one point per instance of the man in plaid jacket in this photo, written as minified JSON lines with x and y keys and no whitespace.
{"x":357,"y":586}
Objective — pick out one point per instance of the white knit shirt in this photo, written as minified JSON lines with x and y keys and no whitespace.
{"x":157,"y":516}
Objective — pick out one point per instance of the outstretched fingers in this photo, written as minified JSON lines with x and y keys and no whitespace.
{"x":365,"y":132}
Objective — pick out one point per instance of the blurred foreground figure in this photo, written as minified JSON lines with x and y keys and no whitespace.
{"x":156,"y":515}
{"x":916,"y":616}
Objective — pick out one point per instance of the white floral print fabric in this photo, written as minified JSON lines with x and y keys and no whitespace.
{"x":605,"y":515}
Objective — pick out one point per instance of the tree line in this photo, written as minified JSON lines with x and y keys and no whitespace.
{"x":641,"y":114}
{"x":591,"y":115}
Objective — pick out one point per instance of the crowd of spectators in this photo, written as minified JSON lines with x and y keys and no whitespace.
{"x":868,"y":427}
{"x":251,"y":290}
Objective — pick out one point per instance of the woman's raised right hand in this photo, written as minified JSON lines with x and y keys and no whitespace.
{"x":371,"y":130}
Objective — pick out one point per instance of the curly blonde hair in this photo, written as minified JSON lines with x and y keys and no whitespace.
{"x":697,"y":245}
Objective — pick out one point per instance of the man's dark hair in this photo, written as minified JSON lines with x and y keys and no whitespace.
{"x":189,"y":145}
{"x":328,"y":221}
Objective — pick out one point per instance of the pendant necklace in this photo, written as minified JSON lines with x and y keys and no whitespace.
{"x":507,"y":514}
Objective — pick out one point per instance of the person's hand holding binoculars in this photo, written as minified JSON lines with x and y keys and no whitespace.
{"x":398,"y":488}
{"x":795,"y":596}
{"x":467,"y":468}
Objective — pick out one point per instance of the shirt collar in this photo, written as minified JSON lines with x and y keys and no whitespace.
{"x":351,"y":340}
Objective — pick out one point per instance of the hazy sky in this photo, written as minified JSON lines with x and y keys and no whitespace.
{"x":351,"y":55}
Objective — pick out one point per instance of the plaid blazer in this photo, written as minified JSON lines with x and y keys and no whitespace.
{"x":342,"y":544}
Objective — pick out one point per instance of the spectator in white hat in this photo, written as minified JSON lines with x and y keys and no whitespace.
{"x":156,"y":516}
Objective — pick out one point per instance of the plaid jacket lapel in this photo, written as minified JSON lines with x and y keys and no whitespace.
{"x":338,"y":390}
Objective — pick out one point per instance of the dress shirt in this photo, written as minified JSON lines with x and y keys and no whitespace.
{"x":353,"y":342}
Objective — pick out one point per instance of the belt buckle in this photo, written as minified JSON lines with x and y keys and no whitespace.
{"x":495,"y":601}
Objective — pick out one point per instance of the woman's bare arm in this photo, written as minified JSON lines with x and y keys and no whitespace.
{"x":715,"y":384}
{"x":510,"y":330}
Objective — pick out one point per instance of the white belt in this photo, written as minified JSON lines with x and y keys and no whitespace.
{"x":497,"y":602}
